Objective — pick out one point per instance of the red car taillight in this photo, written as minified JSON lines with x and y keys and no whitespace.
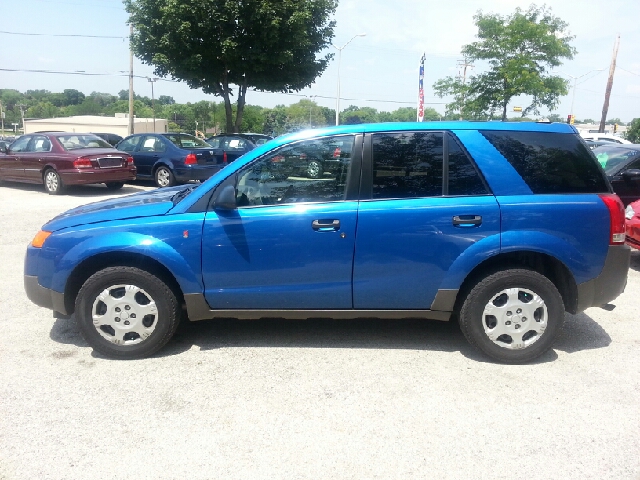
{"x":82,"y":162}
{"x":336,"y":152}
{"x":129,"y":161}
{"x":277,"y":159}
{"x":616,"y":216}
{"x":224,"y":158}
{"x":191,"y":159}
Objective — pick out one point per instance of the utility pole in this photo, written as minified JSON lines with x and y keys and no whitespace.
{"x":153,"y":102}
{"x":131,"y":82}
{"x":607,"y":93}
{"x":2,"y":117}
{"x":464,"y":64}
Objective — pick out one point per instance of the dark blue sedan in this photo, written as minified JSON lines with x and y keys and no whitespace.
{"x":171,"y":158}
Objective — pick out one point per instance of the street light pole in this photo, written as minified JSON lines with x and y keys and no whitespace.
{"x":339,"y":59}
{"x":575,"y":82}
{"x":153,"y":102}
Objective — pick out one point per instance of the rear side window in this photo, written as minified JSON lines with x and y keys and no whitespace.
{"x":410,"y":165}
{"x":550,"y":163}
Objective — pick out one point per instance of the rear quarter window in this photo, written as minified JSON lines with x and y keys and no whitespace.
{"x":550,"y":163}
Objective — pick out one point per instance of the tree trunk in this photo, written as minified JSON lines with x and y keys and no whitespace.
{"x":242,"y":95}
{"x":505,"y":103}
{"x":227,"y":104}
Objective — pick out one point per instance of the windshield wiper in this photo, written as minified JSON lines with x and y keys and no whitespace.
{"x":183,"y":193}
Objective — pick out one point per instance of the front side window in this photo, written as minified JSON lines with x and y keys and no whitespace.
{"x":307,"y":171}
{"x":128,"y":144}
{"x":20,"y":145}
{"x":407,"y":165}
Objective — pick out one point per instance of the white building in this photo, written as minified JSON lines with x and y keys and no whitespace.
{"x":96,"y":124}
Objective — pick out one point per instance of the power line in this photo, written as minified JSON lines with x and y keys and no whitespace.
{"x":60,"y":35}
{"x":632,"y":73}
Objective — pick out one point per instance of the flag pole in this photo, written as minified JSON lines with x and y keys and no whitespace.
{"x":420,"y":110}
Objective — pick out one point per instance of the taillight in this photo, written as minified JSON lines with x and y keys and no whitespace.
{"x":336,"y":153}
{"x":129,"y":161}
{"x":82,"y":162}
{"x":277,"y":159}
{"x":616,"y":216}
{"x":191,"y":159}
{"x":224,"y":158}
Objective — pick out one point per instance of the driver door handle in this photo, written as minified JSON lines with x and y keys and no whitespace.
{"x":325,"y":225}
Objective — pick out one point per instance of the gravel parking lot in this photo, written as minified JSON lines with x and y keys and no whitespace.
{"x":306,"y":399}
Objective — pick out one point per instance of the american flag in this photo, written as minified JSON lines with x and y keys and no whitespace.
{"x":421,"y":91}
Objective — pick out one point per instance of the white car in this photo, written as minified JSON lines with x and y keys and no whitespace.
{"x":603,"y":137}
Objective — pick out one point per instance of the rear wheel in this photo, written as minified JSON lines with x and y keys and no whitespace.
{"x":164,"y":177}
{"x":114,"y":185}
{"x":314,"y":169}
{"x":125,"y":312}
{"x":512,"y":316}
{"x":52,"y":182}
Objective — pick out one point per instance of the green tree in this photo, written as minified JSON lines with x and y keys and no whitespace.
{"x":215,"y":44}
{"x":519,"y":50}
{"x":633,"y":131}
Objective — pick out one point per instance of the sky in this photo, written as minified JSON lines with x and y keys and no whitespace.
{"x":379,"y":70}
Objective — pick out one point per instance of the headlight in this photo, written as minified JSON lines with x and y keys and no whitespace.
{"x":629,"y":212}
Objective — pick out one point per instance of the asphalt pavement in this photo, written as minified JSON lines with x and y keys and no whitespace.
{"x":306,"y":399}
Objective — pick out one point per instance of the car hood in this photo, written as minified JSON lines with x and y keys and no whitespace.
{"x":144,"y":204}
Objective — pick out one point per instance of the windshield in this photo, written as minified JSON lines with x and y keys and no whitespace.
{"x":612,"y":158}
{"x":187,"y":141}
{"x":77,"y":142}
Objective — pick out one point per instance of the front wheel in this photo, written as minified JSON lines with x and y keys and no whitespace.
{"x":52,"y":182}
{"x":513,"y":315}
{"x":125,"y":312}
{"x":164,"y":177}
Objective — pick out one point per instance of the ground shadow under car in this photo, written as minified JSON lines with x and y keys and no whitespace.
{"x":579,"y":332}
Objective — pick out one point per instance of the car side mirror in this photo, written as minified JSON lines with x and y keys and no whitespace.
{"x":226,"y":199}
{"x":631,"y":174}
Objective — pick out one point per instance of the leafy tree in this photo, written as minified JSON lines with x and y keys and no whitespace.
{"x":588,"y":120}
{"x":164,"y":100}
{"x":214,"y":44}
{"x":633,"y":131}
{"x":613,"y":121}
{"x":73,"y":97}
{"x":519,"y":50}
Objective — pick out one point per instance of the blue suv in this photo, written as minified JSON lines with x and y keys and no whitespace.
{"x":500,"y":226}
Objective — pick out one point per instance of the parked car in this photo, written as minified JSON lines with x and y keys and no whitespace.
{"x":621,"y":163}
{"x":503,"y":226}
{"x":58,"y":159}
{"x":230,"y":147}
{"x":632,"y":216}
{"x":111,"y":138}
{"x":596,"y":143}
{"x":4,"y":145}
{"x":604,"y":137}
{"x":171,"y":158}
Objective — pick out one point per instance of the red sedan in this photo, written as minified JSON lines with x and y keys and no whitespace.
{"x":632,"y":215}
{"x":59,"y":159}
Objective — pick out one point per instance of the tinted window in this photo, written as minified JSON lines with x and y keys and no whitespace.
{"x":550,"y":162}
{"x":407,"y":165}
{"x":128,"y":144}
{"x":214,"y":142}
{"x":612,"y":158}
{"x":234,"y":143}
{"x":279,"y":177}
{"x":463,"y":177}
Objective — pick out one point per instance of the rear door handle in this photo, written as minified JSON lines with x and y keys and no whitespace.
{"x":325,"y":225}
{"x":467,"y":220}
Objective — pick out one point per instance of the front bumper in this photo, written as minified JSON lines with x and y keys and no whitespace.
{"x":44,"y":297}
{"x":610,"y":283}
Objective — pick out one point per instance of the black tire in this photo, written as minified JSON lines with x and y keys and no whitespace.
{"x":130,"y":291}
{"x":52,"y":182}
{"x":164,"y":177}
{"x":114,"y":185}
{"x":533,"y":337}
{"x":314,"y":169}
